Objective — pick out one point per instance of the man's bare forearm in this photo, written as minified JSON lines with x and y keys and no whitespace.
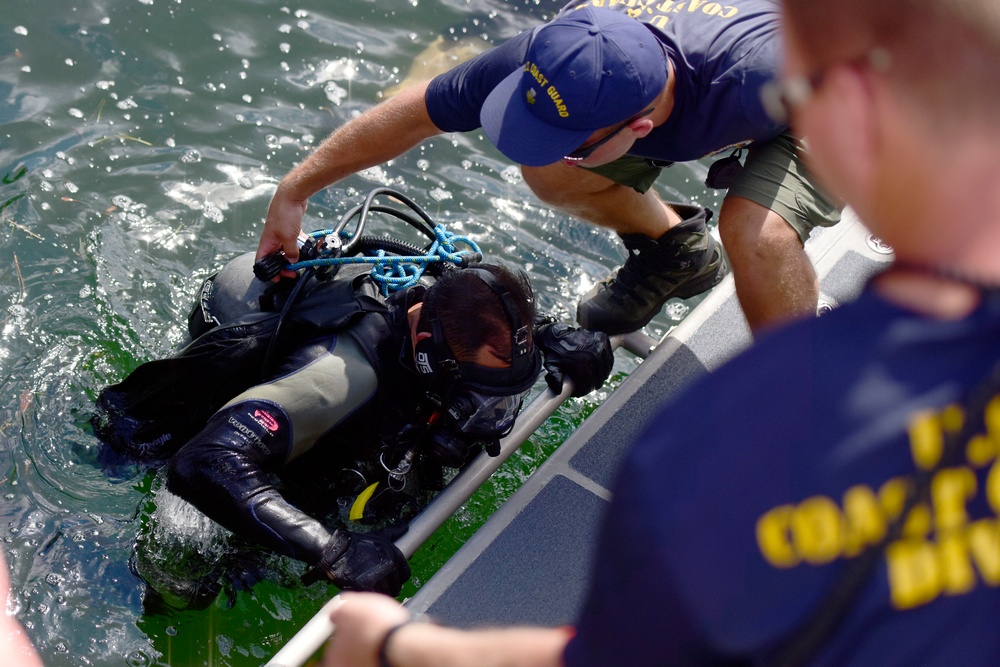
{"x":380,"y":134}
{"x":364,"y":621}
{"x":432,"y":646}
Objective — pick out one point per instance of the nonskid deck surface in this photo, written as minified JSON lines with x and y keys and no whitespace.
{"x":530,"y":562}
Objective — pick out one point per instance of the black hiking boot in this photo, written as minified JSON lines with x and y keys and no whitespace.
{"x":685,"y":261}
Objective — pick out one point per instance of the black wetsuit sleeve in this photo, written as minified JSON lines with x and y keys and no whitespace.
{"x":226,"y":471}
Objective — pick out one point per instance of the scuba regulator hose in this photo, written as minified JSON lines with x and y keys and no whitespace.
{"x":395,"y":264}
{"x":334,"y":247}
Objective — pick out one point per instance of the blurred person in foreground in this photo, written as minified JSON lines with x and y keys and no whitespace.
{"x":835,"y":501}
{"x":15,"y":648}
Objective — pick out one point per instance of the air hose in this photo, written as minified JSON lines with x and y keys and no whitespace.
{"x":395,"y":264}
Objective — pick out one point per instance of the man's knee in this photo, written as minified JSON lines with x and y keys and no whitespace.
{"x":745,"y":226}
{"x":562,"y":186}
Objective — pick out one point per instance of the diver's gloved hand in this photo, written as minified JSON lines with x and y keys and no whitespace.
{"x":583,"y":356}
{"x":363,"y":562}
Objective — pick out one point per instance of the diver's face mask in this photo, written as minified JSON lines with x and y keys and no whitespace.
{"x":478,"y":404}
{"x":484,"y":417}
{"x":471,"y":416}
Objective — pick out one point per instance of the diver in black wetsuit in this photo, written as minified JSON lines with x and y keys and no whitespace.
{"x":411,"y":383}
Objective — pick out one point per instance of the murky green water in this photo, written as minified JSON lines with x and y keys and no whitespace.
{"x":139,"y":143}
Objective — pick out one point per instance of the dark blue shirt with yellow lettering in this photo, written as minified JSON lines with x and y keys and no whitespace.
{"x":743,"y":501}
{"x":722,"y":53}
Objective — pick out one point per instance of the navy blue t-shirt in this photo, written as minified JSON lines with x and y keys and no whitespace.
{"x":742,"y":501}
{"x":722,"y":55}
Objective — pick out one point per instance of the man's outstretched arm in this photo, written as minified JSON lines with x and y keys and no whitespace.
{"x":364,"y":619}
{"x":382,"y":133}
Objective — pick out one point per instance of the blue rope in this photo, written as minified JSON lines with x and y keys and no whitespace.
{"x":392,"y":272}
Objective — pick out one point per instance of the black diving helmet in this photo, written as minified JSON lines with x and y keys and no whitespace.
{"x":478,"y":404}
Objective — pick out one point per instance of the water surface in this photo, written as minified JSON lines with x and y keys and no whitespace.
{"x":140,"y":141}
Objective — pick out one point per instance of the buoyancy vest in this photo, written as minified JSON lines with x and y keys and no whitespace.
{"x":160,"y":405}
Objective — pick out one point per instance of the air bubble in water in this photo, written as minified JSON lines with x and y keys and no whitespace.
{"x":225,"y":644}
{"x":138,"y":658}
{"x":212,"y":212}
{"x":335,"y":93}
{"x":191,"y":156}
{"x":677,"y":310}
{"x":511,"y":175}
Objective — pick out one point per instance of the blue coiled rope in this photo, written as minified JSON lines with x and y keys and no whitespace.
{"x":394,"y":272}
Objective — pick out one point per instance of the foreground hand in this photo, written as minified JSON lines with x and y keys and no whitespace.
{"x":362,"y":621}
{"x":15,"y":648}
{"x":282,"y":228}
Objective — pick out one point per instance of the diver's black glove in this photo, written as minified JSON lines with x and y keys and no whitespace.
{"x":583,"y":356}
{"x":363,"y":562}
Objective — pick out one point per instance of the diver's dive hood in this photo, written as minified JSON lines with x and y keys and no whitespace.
{"x":440,"y":371}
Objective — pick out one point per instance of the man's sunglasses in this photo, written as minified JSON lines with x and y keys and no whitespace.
{"x":581,"y":154}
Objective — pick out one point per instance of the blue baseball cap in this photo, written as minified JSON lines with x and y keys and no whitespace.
{"x":584,"y":70}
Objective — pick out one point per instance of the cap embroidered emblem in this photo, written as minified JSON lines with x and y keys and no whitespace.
{"x":531,"y":95}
